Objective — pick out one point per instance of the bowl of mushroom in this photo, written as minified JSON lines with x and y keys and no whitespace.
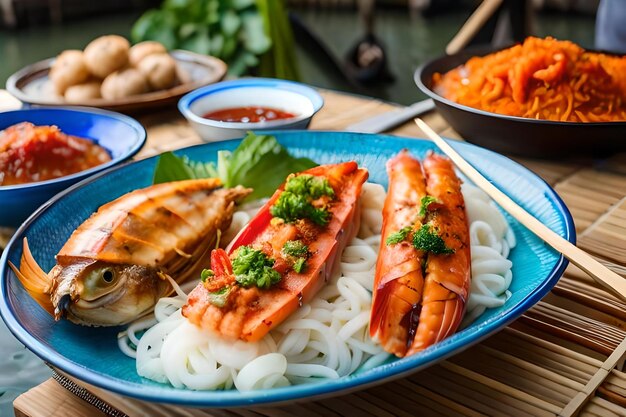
{"x":110,"y":73}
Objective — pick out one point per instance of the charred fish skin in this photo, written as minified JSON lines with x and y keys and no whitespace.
{"x":114,"y":267}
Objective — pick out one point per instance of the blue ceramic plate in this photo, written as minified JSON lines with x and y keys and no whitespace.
{"x":92,"y":355}
{"x":120,"y":135}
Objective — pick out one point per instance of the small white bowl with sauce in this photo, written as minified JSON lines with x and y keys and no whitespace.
{"x":229,"y":109}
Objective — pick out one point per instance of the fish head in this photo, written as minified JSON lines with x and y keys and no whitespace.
{"x":99,"y":293}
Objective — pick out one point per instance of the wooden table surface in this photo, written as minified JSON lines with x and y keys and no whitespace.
{"x":564,"y":356}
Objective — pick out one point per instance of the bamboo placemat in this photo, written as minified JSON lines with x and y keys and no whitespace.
{"x":563,"y":357}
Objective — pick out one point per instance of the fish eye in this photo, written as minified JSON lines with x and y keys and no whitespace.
{"x":99,"y":281}
{"x":108,"y":276}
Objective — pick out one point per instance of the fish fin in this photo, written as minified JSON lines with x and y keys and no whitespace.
{"x":34,"y":279}
{"x":182,"y":253}
{"x":174,"y":287}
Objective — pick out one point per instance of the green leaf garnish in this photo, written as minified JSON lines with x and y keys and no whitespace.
{"x":398,"y":236}
{"x":292,"y":207}
{"x":299,"y":265}
{"x":428,"y":240}
{"x":309,"y":186}
{"x":295,"y":248}
{"x":206,"y":274}
{"x":219,"y":298}
{"x":295,"y":202}
{"x":296,"y":252}
{"x":424,"y":203}
{"x":259,"y":162}
{"x":254,"y":268}
{"x":169,"y":167}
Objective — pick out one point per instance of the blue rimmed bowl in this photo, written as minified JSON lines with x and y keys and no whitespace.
{"x":92,"y":354}
{"x":120,"y":135}
{"x":296,"y":98}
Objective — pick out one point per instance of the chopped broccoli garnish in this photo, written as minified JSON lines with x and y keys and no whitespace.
{"x":253,"y":267}
{"x":294,"y":202}
{"x":299,"y":265}
{"x":428,"y":240}
{"x":398,"y":236}
{"x":292,"y":207}
{"x":295,"y":248}
{"x":424,"y":203}
{"x":309,"y":186}
{"x":296,"y":252}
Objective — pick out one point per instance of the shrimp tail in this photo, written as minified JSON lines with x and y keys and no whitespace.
{"x":34,"y":279}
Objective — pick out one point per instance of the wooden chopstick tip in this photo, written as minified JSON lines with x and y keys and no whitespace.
{"x":425,"y":127}
{"x":430,"y":133}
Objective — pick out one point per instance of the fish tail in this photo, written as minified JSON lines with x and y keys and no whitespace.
{"x":34,"y":279}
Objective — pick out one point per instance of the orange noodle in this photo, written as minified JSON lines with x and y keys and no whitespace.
{"x":541,"y":79}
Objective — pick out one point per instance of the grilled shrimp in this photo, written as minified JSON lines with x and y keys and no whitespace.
{"x":423,"y":269}
{"x":399,"y":279}
{"x":116,"y":265}
{"x":292,"y":255}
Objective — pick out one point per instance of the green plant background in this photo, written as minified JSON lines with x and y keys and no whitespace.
{"x":251,"y":36}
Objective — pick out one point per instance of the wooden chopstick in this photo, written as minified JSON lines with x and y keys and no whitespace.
{"x":603,"y":276}
{"x":471,"y":27}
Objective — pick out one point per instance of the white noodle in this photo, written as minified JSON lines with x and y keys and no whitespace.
{"x":491,"y":239}
{"x":327,"y":338}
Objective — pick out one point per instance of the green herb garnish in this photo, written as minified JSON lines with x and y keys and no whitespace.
{"x":428,"y":240}
{"x":309,"y":186}
{"x":291,"y":207}
{"x":295,"y":202}
{"x":206,"y":274}
{"x":219,"y":298}
{"x":398,"y":236}
{"x":259,"y":162}
{"x":297,"y":252}
{"x":254,"y":268}
{"x":424,"y":203}
{"x":295,"y":248}
{"x":299,"y":265}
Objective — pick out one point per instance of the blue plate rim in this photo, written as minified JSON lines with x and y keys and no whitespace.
{"x":307,"y":392}
{"x":129,"y":153}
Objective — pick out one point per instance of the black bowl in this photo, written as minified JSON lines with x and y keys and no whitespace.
{"x":519,"y":135}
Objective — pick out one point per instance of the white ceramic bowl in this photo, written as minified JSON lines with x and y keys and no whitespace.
{"x":289,"y":96}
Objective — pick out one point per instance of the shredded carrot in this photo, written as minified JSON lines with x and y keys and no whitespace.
{"x":543,"y":79}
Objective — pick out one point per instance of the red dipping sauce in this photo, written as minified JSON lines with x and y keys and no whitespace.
{"x":250,"y":114}
{"x":30,"y":153}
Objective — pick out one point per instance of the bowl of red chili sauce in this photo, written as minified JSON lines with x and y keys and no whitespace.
{"x":229,"y":109}
{"x":43,"y":151}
